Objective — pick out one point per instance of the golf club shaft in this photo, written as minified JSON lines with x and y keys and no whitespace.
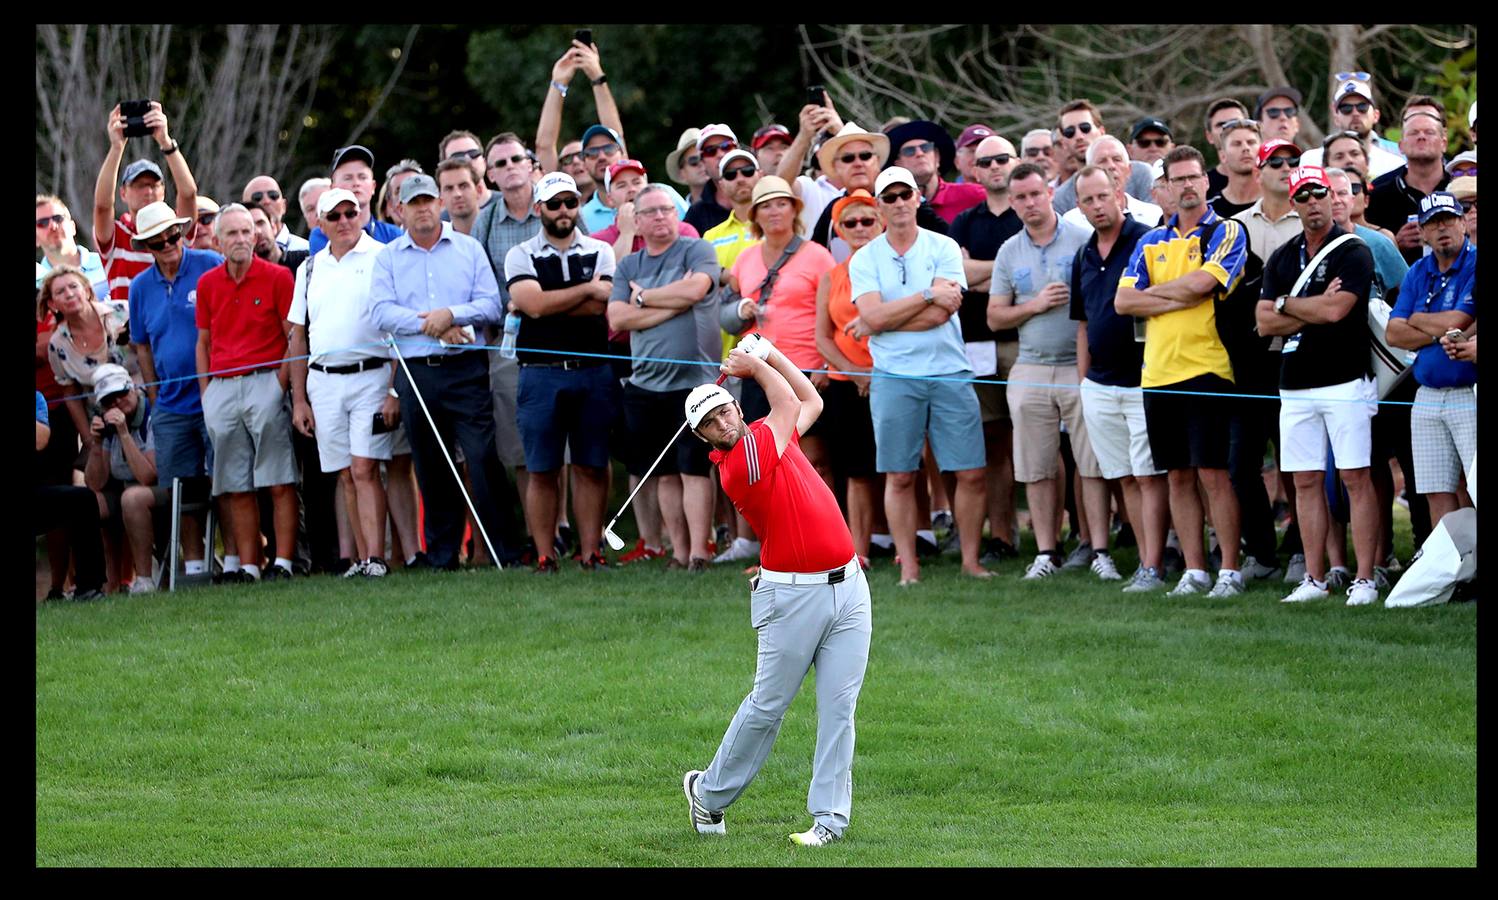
{"x":721,"y":378}
{"x":477,"y":520}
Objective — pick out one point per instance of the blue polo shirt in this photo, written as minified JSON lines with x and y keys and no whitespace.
{"x":384,"y":232}
{"x":1116,"y":357}
{"x":1426,"y":289}
{"x":877,"y":269}
{"x":163,"y":316}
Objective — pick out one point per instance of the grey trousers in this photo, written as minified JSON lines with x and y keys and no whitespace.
{"x":800,"y":626}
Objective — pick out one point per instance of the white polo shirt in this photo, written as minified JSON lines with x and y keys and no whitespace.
{"x":1144,"y":212}
{"x":339,"y":332}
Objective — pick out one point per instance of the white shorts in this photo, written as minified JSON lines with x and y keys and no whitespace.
{"x":1342,"y":413}
{"x":343,"y":408}
{"x":1115,"y":426}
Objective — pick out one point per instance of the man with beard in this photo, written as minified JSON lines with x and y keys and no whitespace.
{"x":560,"y":281}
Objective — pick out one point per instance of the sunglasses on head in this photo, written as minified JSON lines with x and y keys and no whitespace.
{"x":847,"y":158}
{"x":259,"y":195}
{"x":1353,"y":76}
{"x":1161,"y":142}
{"x":1071,"y":130}
{"x":515,"y":160}
{"x":922,"y":147}
{"x":595,"y":152}
{"x":999,"y":159}
{"x":54,"y":219}
{"x":1274,"y":112}
{"x":1305,"y":194}
{"x":1347,"y":109}
{"x":896,"y":196}
{"x":334,"y":215}
{"x":1278,"y":162}
{"x":556,"y":203}
{"x":731,"y":174}
{"x":160,"y":242}
{"x":471,"y":153}
{"x":863,"y":222}
{"x":716,"y":149}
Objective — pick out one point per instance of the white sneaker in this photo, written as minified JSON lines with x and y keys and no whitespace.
{"x":703,"y":819}
{"x":374,"y":567}
{"x":355,"y":570}
{"x":1253,"y":570}
{"x":1362,"y":592}
{"x":1188,"y":585}
{"x":1103,"y":567}
{"x":1338,"y":578}
{"x":1229,"y":584}
{"x":1146,"y":579}
{"x":142,"y":584}
{"x":1295,"y":573}
{"x":1042,"y":567}
{"x":818,"y":836}
{"x":740,"y":549}
{"x":1309,"y":589}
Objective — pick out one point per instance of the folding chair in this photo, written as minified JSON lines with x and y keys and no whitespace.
{"x":191,"y":496}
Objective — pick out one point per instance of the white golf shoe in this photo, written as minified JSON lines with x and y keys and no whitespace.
{"x":1189,"y":585}
{"x":1102,"y":566}
{"x":1229,"y":584}
{"x":818,"y":836}
{"x":1309,"y":589}
{"x":1362,"y":592}
{"x":703,"y":819}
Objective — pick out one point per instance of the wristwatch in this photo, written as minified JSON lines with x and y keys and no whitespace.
{"x":1279,"y":304}
{"x":601,"y":79}
{"x":172,"y":149}
{"x":929,"y":296}
{"x":640,"y":299}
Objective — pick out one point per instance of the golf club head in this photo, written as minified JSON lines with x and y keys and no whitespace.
{"x":612,"y":539}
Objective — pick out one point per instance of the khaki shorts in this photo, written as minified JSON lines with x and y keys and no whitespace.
{"x":1040,"y":399}
{"x":992,"y":398}
{"x":249,"y":422}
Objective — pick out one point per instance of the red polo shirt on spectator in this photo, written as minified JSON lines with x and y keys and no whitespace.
{"x":786,"y":503}
{"x":951,"y":199}
{"x":244,"y":319}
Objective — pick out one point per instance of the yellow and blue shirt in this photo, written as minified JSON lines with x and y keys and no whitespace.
{"x":1184,"y":344}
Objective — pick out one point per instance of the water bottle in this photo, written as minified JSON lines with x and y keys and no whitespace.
{"x":512,"y":330}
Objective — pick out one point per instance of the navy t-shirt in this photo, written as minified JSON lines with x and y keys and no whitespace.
{"x":981,"y":234}
{"x":1335,"y":353}
{"x":1116,"y":357}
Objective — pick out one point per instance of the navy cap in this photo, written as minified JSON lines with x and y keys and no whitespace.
{"x":1437,"y":204}
{"x":141,"y":167}
{"x":1283,"y":90}
{"x":1149,"y":123}
{"x":595,"y":130}
{"x":352,"y":152}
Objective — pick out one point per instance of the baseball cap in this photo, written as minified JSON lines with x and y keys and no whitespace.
{"x":353,"y":152}
{"x":110,"y":379}
{"x":771,"y":132}
{"x":595,"y":130}
{"x":1157,"y":169}
{"x":710,"y":131}
{"x":1361,"y":88}
{"x":1466,"y":156}
{"x":703,"y":399}
{"x":894,"y":175}
{"x":1267,"y":148}
{"x":141,"y":167}
{"x":623,"y":165}
{"x":1463,"y":188}
{"x":555,"y":183}
{"x":1438,"y":203}
{"x":973,"y":134}
{"x":735,"y":154}
{"x":1149,"y":123}
{"x":1283,"y":90}
{"x":334,"y":196}
{"x":1308,"y":175}
{"x":419,"y":185}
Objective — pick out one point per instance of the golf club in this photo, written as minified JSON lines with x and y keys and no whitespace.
{"x":613,"y":540}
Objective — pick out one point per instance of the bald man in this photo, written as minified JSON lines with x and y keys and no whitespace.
{"x":264,"y":190}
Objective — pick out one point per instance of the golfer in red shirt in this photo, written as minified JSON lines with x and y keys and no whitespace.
{"x":810,"y":602}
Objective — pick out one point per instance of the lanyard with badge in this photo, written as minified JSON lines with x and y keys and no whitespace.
{"x":1292,"y":343}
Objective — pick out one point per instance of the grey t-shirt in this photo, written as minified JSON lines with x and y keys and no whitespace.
{"x":141,"y":433}
{"x":1020,"y":270}
{"x":690,"y":334}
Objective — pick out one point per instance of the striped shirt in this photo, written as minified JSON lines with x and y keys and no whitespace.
{"x":122,"y":261}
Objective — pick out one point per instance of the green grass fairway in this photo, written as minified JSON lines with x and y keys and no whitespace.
{"x":481,"y":718}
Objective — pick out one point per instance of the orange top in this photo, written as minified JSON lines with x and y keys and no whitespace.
{"x":842,"y":311}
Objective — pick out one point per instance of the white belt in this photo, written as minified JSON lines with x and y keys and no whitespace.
{"x":832,"y":576}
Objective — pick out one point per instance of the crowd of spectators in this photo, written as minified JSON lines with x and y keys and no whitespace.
{"x":448,"y":366}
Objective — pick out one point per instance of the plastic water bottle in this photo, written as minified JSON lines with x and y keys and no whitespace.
{"x":512,"y":330}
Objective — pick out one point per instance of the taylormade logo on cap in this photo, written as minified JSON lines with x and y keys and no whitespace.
{"x":703,"y":399}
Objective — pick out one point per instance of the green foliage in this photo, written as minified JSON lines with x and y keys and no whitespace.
{"x":1455,"y":84}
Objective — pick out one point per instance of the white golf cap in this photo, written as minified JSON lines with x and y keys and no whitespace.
{"x":703,"y":399}
{"x":894,"y":175}
{"x":712,"y":131}
{"x":555,"y":183}
{"x":1157,"y":169}
{"x":110,"y":379}
{"x":733,"y":155}
{"x":329,"y":200}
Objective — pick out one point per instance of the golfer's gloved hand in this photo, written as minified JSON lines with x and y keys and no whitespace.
{"x":756,"y":345}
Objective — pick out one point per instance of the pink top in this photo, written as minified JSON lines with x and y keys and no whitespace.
{"x":951,"y":199}
{"x":790,"y":320}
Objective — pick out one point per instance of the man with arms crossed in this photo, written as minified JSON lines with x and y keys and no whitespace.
{"x":809,"y":603}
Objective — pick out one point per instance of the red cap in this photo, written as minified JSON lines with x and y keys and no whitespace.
{"x":623,"y":165}
{"x":769,"y":133}
{"x":973,"y":134}
{"x":1308,"y":175}
{"x":1268,"y":147}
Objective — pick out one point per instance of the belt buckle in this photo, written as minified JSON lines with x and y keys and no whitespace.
{"x":569,"y":365}
{"x":837,"y":576}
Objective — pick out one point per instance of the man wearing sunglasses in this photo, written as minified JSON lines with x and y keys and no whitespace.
{"x":1326,"y":392}
{"x":855,"y":158}
{"x":264,"y":190}
{"x":1397,"y":195}
{"x":164,"y":333}
{"x":714,"y":143}
{"x":142,"y":185}
{"x":1272,"y":220}
{"x":55,"y":235}
{"x":1278,"y":112}
{"x":1038,"y":147}
{"x":1354,"y":112}
{"x":1150,"y":139}
{"x":926,"y":149}
{"x":1080,"y":125}
{"x":353,"y":170}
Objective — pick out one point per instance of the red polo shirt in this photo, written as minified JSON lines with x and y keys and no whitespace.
{"x":951,"y":199}
{"x":786,"y":502}
{"x":245,"y":319}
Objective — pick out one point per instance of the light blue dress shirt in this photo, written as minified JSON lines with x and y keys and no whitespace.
{"x":408,"y":280}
